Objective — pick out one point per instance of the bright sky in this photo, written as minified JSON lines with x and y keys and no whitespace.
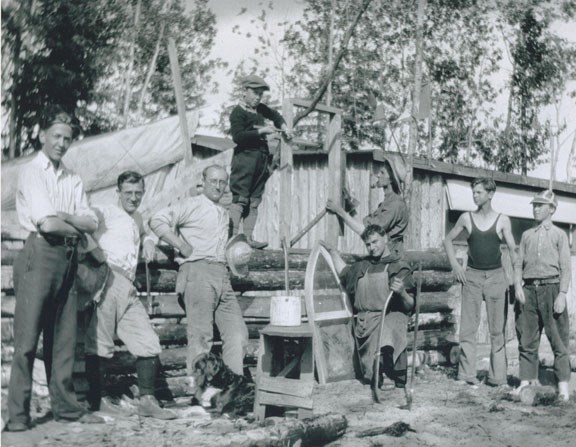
{"x":233,"y":48}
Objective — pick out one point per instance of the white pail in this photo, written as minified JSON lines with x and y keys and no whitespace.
{"x":285,"y":311}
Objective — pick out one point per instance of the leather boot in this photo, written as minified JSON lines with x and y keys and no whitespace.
{"x":235,"y":212}
{"x":147,"y":370}
{"x":250,"y":224}
{"x":95,"y":378}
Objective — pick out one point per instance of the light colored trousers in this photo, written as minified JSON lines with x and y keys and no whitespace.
{"x":120,"y":311}
{"x":209,"y":299}
{"x":489,"y":286}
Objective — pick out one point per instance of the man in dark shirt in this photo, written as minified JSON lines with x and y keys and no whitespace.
{"x":250,"y":163}
{"x":391,"y":214}
{"x":368,"y":283}
{"x":483,"y":280}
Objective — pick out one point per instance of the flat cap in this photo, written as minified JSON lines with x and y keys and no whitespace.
{"x":546,"y":196}
{"x":254,"y":81}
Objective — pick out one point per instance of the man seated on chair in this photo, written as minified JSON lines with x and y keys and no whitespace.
{"x":368,"y":283}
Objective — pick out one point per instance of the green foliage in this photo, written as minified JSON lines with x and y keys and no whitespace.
{"x":76,"y":53}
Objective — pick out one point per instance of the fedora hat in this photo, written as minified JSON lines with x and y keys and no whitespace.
{"x":238,"y":253}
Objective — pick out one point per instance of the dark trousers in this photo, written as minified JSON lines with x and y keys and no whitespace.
{"x":43,"y":275}
{"x":248,"y":176}
{"x":537,"y":314}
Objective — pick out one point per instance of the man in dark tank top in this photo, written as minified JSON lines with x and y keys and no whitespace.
{"x":483,"y":280}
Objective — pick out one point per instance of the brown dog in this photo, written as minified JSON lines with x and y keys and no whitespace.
{"x":236,"y":395}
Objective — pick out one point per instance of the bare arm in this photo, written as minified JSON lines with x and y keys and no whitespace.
{"x":509,"y":239}
{"x":339,"y":263}
{"x":356,"y":226}
{"x":449,"y":247}
{"x":519,"y":292}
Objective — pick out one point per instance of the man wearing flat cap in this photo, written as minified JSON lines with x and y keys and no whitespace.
{"x":251,"y":160}
{"x":542,"y":276}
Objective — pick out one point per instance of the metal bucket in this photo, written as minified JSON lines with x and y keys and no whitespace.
{"x":285,"y":311}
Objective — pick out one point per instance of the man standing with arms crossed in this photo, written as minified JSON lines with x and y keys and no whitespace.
{"x":483,"y":280}
{"x":118,"y":309}
{"x":201,"y":234}
{"x":52,"y":205}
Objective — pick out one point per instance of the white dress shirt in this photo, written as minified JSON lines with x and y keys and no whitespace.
{"x":43,"y":191}
{"x":202,"y":223}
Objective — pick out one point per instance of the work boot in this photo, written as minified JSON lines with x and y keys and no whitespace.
{"x":95,"y":378}
{"x":256,"y":245}
{"x":149,"y":407}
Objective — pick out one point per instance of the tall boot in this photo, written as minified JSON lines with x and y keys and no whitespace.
{"x":95,"y":377}
{"x":250,"y":224}
{"x":147,"y":370}
{"x":235,"y":212}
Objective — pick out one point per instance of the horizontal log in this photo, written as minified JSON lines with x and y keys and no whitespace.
{"x":165,"y":280}
{"x":257,"y":304}
{"x":432,"y":320}
{"x":268,"y":259}
{"x":7,"y":279}
{"x":433,"y":339}
{"x":7,"y":330}
{"x":8,"y":305}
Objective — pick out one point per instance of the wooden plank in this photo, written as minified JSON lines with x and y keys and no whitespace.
{"x":335,"y":166}
{"x":289,"y":387}
{"x":437,"y":212}
{"x":7,"y":330}
{"x":180,"y":105}
{"x":283,"y":400}
{"x":286,"y":171}
{"x":299,"y":102}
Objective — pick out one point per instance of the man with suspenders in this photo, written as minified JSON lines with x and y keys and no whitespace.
{"x":483,"y":280}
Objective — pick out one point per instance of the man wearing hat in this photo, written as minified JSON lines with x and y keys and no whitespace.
{"x":391,"y":214}
{"x":198,"y":228}
{"x":542,"y":277}
{"x":251,"y":160}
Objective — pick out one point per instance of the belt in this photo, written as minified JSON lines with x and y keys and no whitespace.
{"x":66,"y":241}
{"x":541,"y":281}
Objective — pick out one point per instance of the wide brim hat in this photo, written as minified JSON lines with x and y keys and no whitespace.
{"x":253,"y":81}
{"x":238,"y":254}
{"x":396,"y":168}
{"x":546,"y":197}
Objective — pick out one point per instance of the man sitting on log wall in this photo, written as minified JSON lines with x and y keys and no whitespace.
{"x":368,"y":283}
{"x":203,"y":278}
{"x":392,"y":214}
{"x":118,"y":308}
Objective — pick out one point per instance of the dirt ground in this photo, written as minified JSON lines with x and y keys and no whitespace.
{"x":444,"y":413}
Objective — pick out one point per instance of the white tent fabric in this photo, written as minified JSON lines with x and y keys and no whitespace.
{"x":512,"y":202}
{"x":100,"y":159}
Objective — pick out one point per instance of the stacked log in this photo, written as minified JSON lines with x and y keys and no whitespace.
{"x":437,"y":325}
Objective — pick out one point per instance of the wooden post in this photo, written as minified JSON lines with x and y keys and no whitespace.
{"x":177,"y":80}
{"x":286,"y":165}
{"x":335,"y":165}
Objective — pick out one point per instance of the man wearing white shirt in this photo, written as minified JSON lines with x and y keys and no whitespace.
{"x":203,"y":279}
{"x":119,"y":309}
{"x":52,"y":206}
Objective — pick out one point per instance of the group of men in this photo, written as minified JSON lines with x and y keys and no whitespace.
{"x":53,"y":207}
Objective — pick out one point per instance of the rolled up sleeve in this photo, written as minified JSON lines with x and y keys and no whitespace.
{"x":33,"y":201}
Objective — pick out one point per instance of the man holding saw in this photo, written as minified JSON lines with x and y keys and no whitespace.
{"x":382,"y":281}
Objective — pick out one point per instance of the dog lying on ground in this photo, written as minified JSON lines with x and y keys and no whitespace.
{"x":236,"y":395}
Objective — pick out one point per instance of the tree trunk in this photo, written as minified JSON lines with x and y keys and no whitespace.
{"x":316,"y":431}
{"x":132,"y":56}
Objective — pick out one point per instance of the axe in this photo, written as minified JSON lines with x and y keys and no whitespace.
{"x":410,"y":389}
